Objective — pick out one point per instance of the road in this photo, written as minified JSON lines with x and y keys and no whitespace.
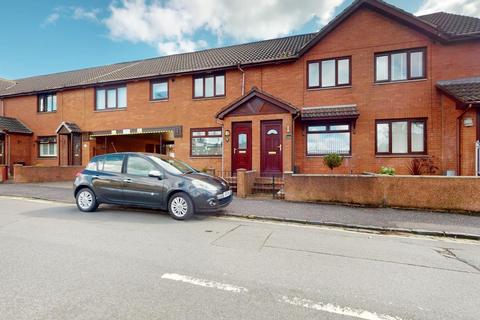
{"x":57,"y":263}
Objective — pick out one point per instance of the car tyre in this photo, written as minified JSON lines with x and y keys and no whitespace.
{"x":180,"y":206}
{"x":86,"y":200}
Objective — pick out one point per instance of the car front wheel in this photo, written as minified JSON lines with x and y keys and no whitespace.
{"x":86,"y":200}
{"x":180,"y":206}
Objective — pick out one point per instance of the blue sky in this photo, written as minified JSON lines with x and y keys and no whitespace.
{"x":54,"y":36}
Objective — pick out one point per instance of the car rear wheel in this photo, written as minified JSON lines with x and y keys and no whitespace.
{"x":180,"y":206}
{"x":86,"y":200}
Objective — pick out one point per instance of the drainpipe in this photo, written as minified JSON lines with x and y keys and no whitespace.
{"x":293,"y":139}
{"x":220,"y":122}
{"x":457,"y":145}
{"x":3,"y":108}
{"x":243,"y":78}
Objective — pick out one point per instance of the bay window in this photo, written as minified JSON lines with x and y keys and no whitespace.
{"x":111,"y":98}
{"x":206,"y":142}
{"x":400,"y":65}
{"x":329,"y":73}
{"x":47,"y":147}
{"x":401,"y":136}
{"x":326,"y":138}
{"x":209,"y":86}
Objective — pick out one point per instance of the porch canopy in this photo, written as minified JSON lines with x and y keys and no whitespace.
{"x":13,"y":126}
{"x":256,"y":102}
{"x":464,"y":91}
{"x":68,"y":128}
{"x":331,"y":113}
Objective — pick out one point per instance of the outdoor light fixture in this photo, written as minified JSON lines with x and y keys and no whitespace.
{"x":227,"y":135}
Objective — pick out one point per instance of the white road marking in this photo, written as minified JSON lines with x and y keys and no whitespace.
{"x":204,"y":283}
{"x":331,"y":308}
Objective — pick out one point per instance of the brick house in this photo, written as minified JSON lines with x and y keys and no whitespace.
{"x":377,"y":85}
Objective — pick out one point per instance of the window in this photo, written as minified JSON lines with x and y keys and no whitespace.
{"x":159,"y":90}
{"x":47,"y":147}
{"x":401,"y":136}
{"x":400,"y":65}
{"x":139,"y":167}
{"x":328,"y":138}
{"x":206,"y":142}
{"x":111,"y":98}
{"x":209,"y":86}
{"x":47,"y":102}
{"x":329,"y":73}
{"x":113,"y":163}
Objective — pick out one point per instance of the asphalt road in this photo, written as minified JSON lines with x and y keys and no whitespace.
{"x":57,"y":263}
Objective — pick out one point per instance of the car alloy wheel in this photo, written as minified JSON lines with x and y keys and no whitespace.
{"x":86,"y":200}
{"x":179,"y":207}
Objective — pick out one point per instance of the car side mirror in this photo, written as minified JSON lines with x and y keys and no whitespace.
{"x":156,"y":174}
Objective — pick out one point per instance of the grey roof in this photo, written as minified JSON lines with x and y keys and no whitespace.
{"x":12,"y":125}
{"x":70,"y":127}
{"x":465,"y":90}
{"x":4,"y":84}
{"x":442,"y":26}
{"x":217,"y":58}
{"x":330,"y":112}
{"x":453,"y":24}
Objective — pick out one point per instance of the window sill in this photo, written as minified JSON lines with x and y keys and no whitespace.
{"x":110,"y":110}
{"x":400,"y":81}
{"x":322,"y":156}
{"x":205,"y":157}
{"x":402,"y":156}
{"x":47,"y":157}
{"x":330,"y":88}
{"x":209,"y":98}
{"x":46,"y":112}
{"x":159,"y":100}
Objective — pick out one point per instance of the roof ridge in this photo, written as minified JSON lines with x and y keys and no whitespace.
{"x":449,"y":13}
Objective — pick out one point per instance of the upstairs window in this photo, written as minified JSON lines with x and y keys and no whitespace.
{"x":47,"y":102}
{"x":326,"y":138}
{"x":329,"y":73}
{"x":111,"y":98}
{"x":47,"y":147}
{"x":209,"y":86}
{"x":400,"y":65}
{"x":401,"y":136}
{"x":159,"y":90}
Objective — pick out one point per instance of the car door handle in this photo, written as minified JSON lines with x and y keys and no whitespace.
{"x":127,"y":180}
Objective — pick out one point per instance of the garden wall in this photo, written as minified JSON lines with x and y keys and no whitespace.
{"x":44,"y":174}
{"x":419,"y":192}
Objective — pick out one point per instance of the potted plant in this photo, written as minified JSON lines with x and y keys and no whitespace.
{"x":333,"y":160}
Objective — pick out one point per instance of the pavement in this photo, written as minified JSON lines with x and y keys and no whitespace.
{"x":58,"y":263}
{"x":375,"y":219}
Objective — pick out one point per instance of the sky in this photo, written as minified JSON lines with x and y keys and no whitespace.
{"x":47,"y":36}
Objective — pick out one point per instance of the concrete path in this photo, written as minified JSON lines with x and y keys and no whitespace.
{"x":59,"y":263}
{"x":380,"y":219}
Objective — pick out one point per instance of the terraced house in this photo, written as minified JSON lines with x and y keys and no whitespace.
{"x":377,"y":85}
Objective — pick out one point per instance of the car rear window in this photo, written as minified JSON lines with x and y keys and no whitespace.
{"x":113,"y":163}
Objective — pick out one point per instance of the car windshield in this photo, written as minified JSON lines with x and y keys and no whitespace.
{"x":172,"y":165}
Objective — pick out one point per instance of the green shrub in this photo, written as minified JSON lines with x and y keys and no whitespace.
{"x":333,"y":160}
{"x":387,"y":170}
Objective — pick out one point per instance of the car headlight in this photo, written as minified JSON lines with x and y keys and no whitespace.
{"x":204,"y":185}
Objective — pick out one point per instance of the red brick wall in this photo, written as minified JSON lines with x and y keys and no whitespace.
{"x":44,"y":174}
{"x":363,"y":34}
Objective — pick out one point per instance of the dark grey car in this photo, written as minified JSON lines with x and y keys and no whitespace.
{"x":149,"y":180}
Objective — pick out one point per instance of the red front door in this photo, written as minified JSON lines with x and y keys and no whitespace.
{"x":241,"y":146}
{"x":271,"y":149}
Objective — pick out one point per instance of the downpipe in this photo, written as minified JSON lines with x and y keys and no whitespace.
{"x":457,"y":144}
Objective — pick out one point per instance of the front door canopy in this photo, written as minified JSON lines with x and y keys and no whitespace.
{"x":256,"y":102}
{"x":68,"y":128}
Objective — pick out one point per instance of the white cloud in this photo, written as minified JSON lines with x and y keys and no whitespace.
{"x":172,"y":25}
{"x":463,"y":7}
{"x":76,"y":13}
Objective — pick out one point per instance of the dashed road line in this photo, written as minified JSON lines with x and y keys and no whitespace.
{"x":204,"y":282}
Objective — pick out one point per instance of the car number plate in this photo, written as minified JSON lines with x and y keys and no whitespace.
{"x":226,"y":194}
